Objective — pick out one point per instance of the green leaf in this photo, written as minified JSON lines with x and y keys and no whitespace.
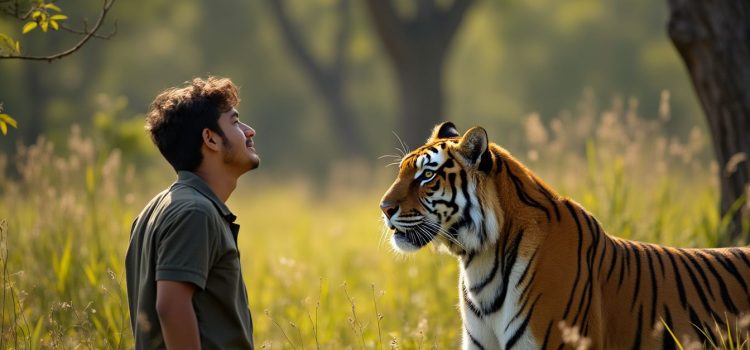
{"x":8,"y":42}
{"x":3,"y":128}
{"x":36,"y":14}
{"x":52,"y":7}
{"x":58,"y":17}
{"x":29,"y":27}
{"x":7,"y":119}
{"x":54,"y":25}
{"x":45,"y":25}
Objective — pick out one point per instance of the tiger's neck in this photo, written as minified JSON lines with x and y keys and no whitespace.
{"x":526,"y":210}
{"x":523,"y":205}
{"x":523,"y":195}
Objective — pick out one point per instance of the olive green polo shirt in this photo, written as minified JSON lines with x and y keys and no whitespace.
{"x":187,"y":234}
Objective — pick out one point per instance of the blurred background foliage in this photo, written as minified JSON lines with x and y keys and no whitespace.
{"x":508,"y":60}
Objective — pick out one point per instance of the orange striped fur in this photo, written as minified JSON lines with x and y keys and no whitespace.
{"x":531,"y":260}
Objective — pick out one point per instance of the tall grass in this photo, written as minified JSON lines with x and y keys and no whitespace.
{"x":67,"y":222}
{"x":318,"y":266}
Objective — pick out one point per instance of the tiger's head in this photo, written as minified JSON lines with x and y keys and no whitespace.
{"x":443,"y":194}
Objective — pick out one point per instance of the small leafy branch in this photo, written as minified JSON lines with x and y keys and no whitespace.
{"x":47,"y":15}
{"x":41,"y":16}
{"x":44,"y":14}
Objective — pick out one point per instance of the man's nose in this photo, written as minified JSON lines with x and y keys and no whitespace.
{"x":388,"y":208}
{"x":249,"y":132}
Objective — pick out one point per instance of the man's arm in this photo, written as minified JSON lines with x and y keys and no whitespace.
{"x":174,"y":305}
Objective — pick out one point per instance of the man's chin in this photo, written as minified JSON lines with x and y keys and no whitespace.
{"x":253,"y":162}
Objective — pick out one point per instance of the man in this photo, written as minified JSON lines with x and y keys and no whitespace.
{"x":185,"y":286}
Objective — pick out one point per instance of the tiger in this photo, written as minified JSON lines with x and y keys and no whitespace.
{"x":534,"y":265}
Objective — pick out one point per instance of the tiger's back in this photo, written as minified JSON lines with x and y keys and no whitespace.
{"x":538,"y":271}
{"x":620,"y":293}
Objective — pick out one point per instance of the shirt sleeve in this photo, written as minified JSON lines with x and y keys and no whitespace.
{"x":184,"y":249}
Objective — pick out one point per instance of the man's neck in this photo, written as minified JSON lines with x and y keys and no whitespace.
{"x":222,"y":183}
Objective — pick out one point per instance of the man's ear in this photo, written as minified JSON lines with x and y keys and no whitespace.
{"x":210,"y":139}
{"x":443,"y":131}
{"x":473,"y":144}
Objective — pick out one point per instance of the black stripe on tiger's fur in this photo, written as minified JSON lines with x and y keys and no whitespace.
{"x":534,"y":265}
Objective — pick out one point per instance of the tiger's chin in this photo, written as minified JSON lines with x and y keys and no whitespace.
{"x":410,"y":241}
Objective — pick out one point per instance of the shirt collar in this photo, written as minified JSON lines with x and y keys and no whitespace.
{"x":193,"y":180}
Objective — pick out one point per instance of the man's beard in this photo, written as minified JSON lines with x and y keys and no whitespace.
{"x":231,"y":158}
{"x":228,"y":147}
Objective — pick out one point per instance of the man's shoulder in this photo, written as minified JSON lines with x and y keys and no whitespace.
{"x":181,"y":200}
{"x":176,"y":201}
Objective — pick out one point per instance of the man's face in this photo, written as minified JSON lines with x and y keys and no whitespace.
{"x":239,"y":148}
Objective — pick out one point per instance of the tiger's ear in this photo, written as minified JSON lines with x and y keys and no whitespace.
{"x":473,"y":144}
{"x":444,"y":131}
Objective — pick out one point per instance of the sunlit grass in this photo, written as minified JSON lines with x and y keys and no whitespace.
{"x":318,"y":265}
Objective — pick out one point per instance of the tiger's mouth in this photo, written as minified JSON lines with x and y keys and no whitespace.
{"x":412,"y":239}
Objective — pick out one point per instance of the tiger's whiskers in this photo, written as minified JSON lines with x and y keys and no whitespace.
{"x":443,"y":232}
{"x":404,"y":147}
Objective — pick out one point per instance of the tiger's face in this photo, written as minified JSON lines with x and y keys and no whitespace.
{"x":436,"y":196}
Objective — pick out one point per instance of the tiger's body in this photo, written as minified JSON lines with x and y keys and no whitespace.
{"x":531,"y":260}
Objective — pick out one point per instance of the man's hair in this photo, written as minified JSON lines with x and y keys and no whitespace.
{"x":178,"y":116}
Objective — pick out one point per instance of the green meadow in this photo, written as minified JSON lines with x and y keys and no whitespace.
{"x":318,"y":264}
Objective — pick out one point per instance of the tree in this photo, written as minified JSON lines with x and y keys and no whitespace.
{"x":45,"y":16}
{"x":329,"y":79}
{"x":713,"y":39}
{"x":418,"y":47}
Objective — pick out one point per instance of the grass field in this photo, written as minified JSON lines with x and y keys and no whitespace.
{"x":319,"y":269}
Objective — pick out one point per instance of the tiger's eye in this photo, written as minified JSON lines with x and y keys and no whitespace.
{"x":427,"y":174}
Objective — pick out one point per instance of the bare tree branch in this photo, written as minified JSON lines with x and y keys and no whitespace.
{"x":85,"y":32}
{"x":295,"y":42}
{"x":106,"y":6}
{"x":390,"y":27}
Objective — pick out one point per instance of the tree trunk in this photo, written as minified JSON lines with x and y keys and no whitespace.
{"x":418,"y":48}
{"x":713,"y":38}
{"x":421,"y":103}
{"x":329,"y":79}
{"x":344,"y":127}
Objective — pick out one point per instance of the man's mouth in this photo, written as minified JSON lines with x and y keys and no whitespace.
{"x":250,"y":144}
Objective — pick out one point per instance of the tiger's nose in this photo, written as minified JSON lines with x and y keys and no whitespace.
{"x":388,"y":208}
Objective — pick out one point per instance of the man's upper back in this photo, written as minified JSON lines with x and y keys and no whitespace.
{"x":187,"y":234}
